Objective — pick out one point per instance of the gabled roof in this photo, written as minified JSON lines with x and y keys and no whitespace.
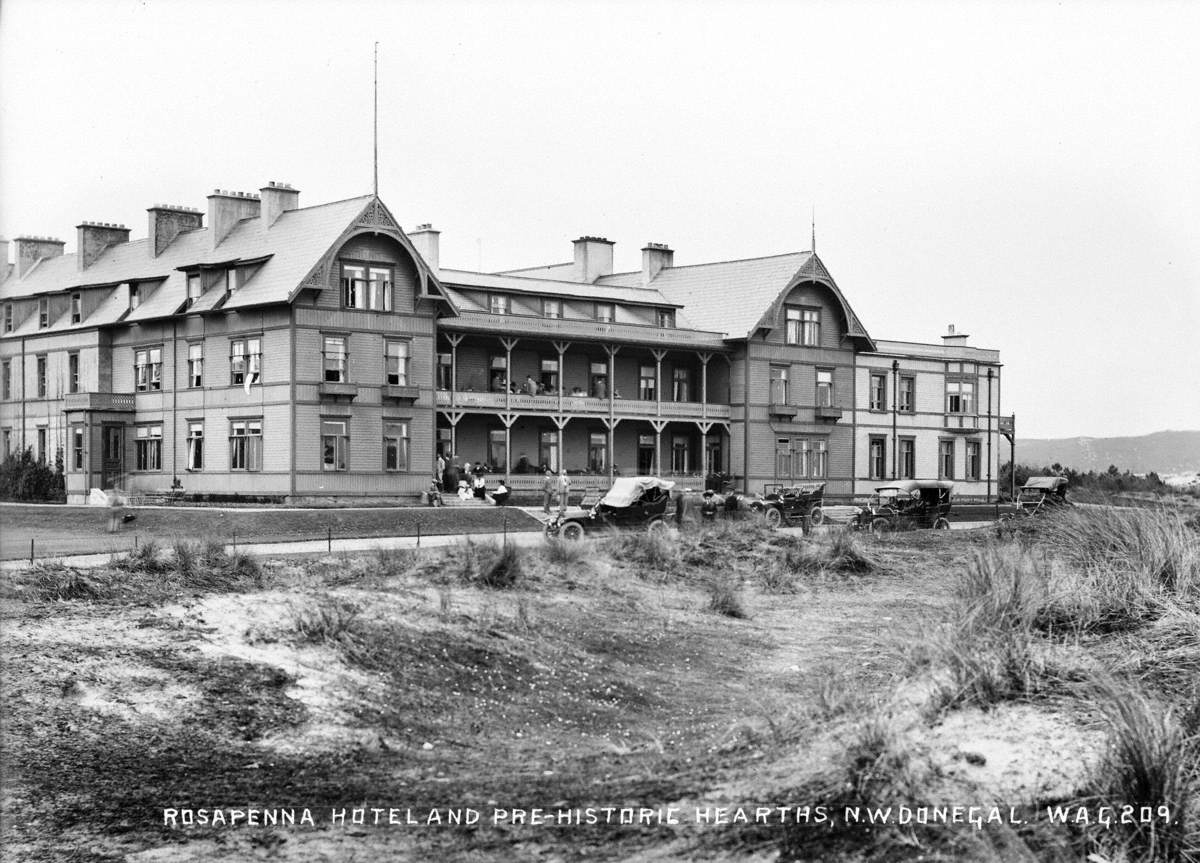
{"x":552,"y":287}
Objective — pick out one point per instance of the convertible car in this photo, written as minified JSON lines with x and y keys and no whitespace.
{"x":633,"y":502}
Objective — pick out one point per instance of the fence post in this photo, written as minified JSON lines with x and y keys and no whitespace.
{"x":329,"y":540}
{"x":135,"y":542}
{"x":505,"y":529}
{"x":418,"y":534}
{"x":235,"y":542}
{"x":31,"y":550}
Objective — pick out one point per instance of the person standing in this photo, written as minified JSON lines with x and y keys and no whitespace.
{"x":116,"y":510}
{"x":439,"y":474}
{"x":548,"y":488}
{"x":564,"y":490}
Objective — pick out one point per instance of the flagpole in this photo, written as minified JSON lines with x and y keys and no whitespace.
{"x":375,"y":135}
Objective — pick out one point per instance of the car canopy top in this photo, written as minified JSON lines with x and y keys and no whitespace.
{"x":913,"y":487}
{"x":627,"y":490}
{"x":1048,"y":483}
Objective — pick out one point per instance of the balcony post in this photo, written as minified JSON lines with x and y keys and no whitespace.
{"x":611,"y":350}
{"x":658,"y":358}
{"x":509,"y":344}
{"x":705,"y":356}
{"x":561,"y":347}
{"x":454,"y":339}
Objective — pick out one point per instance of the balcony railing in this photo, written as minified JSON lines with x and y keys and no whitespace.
{"x":827,"y":412}
{"x":522,"y":403}
{"x":962,"y":423}
{"x":98,"y":402}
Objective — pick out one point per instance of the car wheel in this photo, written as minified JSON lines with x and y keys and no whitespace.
{"x":658,"y":527}
{"x":880,"y":526}
{"x":773,"y":517}
{"x":572,"y":531}
{"x":941,"y":524}
{"x":816,"y":516}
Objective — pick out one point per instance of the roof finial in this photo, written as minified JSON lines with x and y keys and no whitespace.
{"x":814,"y":229}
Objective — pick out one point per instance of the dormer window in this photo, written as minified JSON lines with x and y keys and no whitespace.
{"x":498,"y":304}
{"x":367,"y":288}
{"x":8,"y":317}
{"x":135,"y":296}
{"x":43,"y":313}
{"x":194,"y":288}
{"x":604,"y":312}
{"x":76,"y":308}
{"x":666,"y":318}
{"x":232,"y":282}
{"x":551,"y":308}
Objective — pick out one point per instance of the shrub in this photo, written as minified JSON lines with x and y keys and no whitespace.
{"x":503,"y":569}
{"x":23,"y":477}
{"x":725,"y":598}
{"x":54,"y":581}
{"x":562,"y":553}
{"x":327,"y":622}
{"x":146,"y":558}
{"x":846,"y":554}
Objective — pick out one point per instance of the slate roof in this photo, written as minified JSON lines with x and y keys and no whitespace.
{"x":553,"y":287}
{"x":292,"y":245}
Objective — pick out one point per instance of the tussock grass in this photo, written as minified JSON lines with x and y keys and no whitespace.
{"x":52,"y":580}
{"x":502,"y":570}
{"x":393,"y":562}
{"x":724,"y":597}
{"x":146,"y":558}
{"x":846,"y":554}
{"x":559,"y":552}
{"x":328,"y":621}
{"x":657,"y":551}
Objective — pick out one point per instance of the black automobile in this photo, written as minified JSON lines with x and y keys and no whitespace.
{"x":790,"y":504}
{"x":1042,"y":493}
{"x":634,"y":502}
{"x":906,"y":505}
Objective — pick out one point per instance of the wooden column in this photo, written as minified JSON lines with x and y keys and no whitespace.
{"x":658,"y":358}
{"x":454,"y":339}
{"x":611,"y":350}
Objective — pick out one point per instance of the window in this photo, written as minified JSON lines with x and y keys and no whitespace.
{"x":603,"y":312}
{"x":245,"y":361}
{"x":334,"y":353}
{"x":878,"y":392}
{"x":715,"y":462}
{"x":801,"y":456}
{"x":335,"y":445}
{"x":973,"y":461}
{"x":148,"y":447}
{"x":551,"y":308}
{"x":646,"y":383}
{"x":599,"y":380}
{"x":646,"y":454}
{"x":908,"y":391}
{"x":245,"y":445}
{"x":354,"y":286}
{"x":76,"y":447}
{"x":395,"y":445}
{"x":76,"y":308}
{"x":908,"y":458}
{"x":135,"y":295}
{"x":367,"y":288}
{"x":681,"y":453}
{"x":445,"y":442}
{"x":681,"y":384}
{"x":946,"y":459}
{"x":6,"y":379}
{"x":147,"y":369}
{"x":397,"y":363}
{"x":597,"y":452}
{"x":497,"y":449}
{"x":820,"y":459}
{"x":779,"y":385}
{"x":41,"y":376}
{"x":803,"y":326}
{"x":960,"y":397}
{"x":8,"y":317}
{"x":666,"y":317}
{"x":41,"y":444}
{"x":445,"y":372}
{"x":195,"y":446}
{"x":72,"y":372}
{"x":194,"y":288}
{"x":195,"y":368}
{"x":549,"y":380}
{"x":498,"y":304}
{"x":43,"y":312}
{"x":825,"y":388}
{"x":499,"y":370}
{"x":548,"y":449}
{"x":877,"y":458}
{"x":232,"y":281}
{"x":379,"y":288}
{"x":783,"y":458}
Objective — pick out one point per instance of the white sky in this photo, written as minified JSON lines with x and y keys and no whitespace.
{"x":1027,"y":171}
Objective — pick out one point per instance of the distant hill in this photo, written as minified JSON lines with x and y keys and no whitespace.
{"x":1166,"y":452}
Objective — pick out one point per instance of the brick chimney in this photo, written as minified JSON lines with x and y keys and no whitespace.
{"x":226,"y":209}
{"x":954,"y":339}
{"x":593,"y":258}
{"x":277,"y":199}
{"x":168,"y":221}
{"x":92,"y":238}
{"x":425,"y":238}
{"x":655,"y":257}
{"x":30,"y":250}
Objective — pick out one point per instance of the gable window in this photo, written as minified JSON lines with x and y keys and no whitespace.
{"x":824,"y":388}
{"x":379,"y":288}
{"x":878,"y":393}
{"x":148,"y":447}
{"x":195,"y":446}
{"x":135,"y":296}
{"x":395,"y":445}
{"x":603,"y":312}
{"x":549,"y":379}
{"x":960,"y":397}
{"x":41,"y":375}
{"x":397,"y":363}
{"x":73,"y":373}
{"x":646,"y":383}
{"x":908,"y":391}
{"x":6,"y":379}
{"x":76,"y":447}
{"x":551,"y":308}
{"x":368,"y":288}
{"x":354,"y":286}
{"x":194,"y":288}
{"x":779,"y":385}
{"x":973,"y":460}
{"x":43,"y":312}
{"x":335,"y":359}
{"x":8,"y":317}
{"x":195,"y":362}
{"x":946,"y":459}
{"x":498,"y":304}
{"x":245,"y":445}
{"x":335,"y":445}
{"x":245,"y":361}
{"x":76,"y":308}
{"x":681,"y":384}
{"x":666,"y":318}
{"x":445,"y":372}
{"x":877,"y":458}
{"x":803,"y":326}
{"x":908,"y":458}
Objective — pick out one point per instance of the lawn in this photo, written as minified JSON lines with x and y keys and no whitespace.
{"x":62,"y":530}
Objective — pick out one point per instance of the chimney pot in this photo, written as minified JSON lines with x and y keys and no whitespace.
{"x":427,"y":243}
{"x":655,"y":258}
{"x":92,"y":238}
{"x":277,"y":198}
{"x":593,"y":258}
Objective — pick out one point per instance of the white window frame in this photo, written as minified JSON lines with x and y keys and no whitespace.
{"x":245,"y":445}
{"x":195,"y":445}
{"x":395,"y":438}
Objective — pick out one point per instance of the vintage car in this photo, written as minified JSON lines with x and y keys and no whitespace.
{"x":633,"y":502}
{"x":790,"y":504}
{"x":906,"y":505}
{"x":1041,"y":493}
